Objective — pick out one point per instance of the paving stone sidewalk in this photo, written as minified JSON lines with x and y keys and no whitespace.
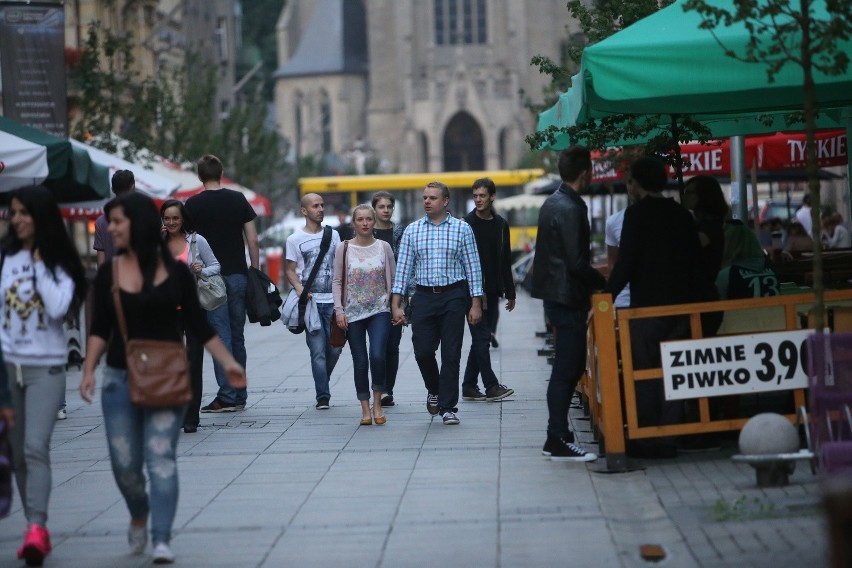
{"x":282,"y":484}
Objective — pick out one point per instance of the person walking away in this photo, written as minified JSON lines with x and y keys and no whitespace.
{"x":564,"y":278}
{"x":362,"y":307}
{"x":302,"y":252}
{"x":123,"y":182}
{"x":439,"y":252}
{"x":491,"y":232}
{"x":191,"y":249}
{"x":660,"y":256}
{"x":386,"y":230}
{"x":41,"y":278}
{"x":225,"y":218}
{"x":156,"y":293}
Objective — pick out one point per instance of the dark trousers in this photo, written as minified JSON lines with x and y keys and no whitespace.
{"x":479,"y":358}
{"x":645,"y":337}
{"x":438,"y":319}
{"x":195,"y":357}
{"x":392,"y":357}
{"x":569,"y":364}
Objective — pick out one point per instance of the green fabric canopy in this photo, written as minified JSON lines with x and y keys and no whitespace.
{"x":72,"y":175}
{"x":665,"y":65}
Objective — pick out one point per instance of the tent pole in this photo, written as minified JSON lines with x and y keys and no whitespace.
{"x":738,"y":176}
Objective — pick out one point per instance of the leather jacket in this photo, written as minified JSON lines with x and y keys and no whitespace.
{"x":562,"y":270}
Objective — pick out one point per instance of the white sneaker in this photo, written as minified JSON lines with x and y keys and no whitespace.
{"x":137,"y":538}
{"x":163,"y":554}
{"x":61,"y":414}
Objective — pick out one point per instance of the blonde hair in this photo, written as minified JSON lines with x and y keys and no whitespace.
{"x":364,"y":207}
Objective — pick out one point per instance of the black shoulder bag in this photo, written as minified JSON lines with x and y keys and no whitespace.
{"x":306,"y":289}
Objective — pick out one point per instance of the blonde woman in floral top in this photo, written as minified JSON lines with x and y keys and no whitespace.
{"x":363,"y":307}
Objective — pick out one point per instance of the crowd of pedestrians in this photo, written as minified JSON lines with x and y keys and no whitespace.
{"x":374,"y":280}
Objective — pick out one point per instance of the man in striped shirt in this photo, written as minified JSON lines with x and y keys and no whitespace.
{"x":439,"y":253}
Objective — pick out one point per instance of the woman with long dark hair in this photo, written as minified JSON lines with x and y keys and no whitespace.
{"x":187,"y":246}
{"x":152,"y":287}
{"x":41,"y":278}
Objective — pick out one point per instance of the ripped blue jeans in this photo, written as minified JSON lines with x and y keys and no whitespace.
{"x":142,"y":436}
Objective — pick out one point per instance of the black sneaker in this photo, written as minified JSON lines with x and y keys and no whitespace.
{"x":450,"y":418}
{"x":563,"y":450}
{"x":322,"y":404}
{"x":472,"y":393}
{"x":552,"y":441}
{"x":432,"y":404}
{"x":387,"y":400}
{"x":498,"y":392}
{"x":219,"y":406}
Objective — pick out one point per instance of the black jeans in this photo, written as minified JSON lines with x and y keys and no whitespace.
{"x":392,"y":358}
{"x":438,"y":319}
{"x":479,"y":358}
{"x":570,"y":327}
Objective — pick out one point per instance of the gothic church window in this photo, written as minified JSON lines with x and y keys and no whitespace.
{"x":325,"y":122}
{"x":460,"y":22}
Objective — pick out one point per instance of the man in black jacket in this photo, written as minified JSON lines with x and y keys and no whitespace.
{"x":564,"y":278}
{"x":491,"y":232}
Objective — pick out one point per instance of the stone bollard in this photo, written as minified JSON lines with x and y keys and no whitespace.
{"x":770,"y":444}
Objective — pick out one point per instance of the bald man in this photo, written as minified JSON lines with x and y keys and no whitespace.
{"x":303,"y":250}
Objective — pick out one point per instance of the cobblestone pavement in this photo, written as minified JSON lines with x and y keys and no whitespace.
{"x":282,"y":484}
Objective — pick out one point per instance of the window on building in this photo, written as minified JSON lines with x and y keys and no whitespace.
{"x":297,"y":135}
{"x":325,"y":122}
{"x":460,"y":22}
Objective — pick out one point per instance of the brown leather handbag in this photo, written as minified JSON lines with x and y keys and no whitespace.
{"x":157,"y":370}
{"x":337,"y":337}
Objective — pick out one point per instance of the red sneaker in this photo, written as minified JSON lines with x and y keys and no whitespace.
{"x":36,"y":545}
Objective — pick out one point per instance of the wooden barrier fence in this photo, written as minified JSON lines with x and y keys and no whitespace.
{"x":609,"y":385}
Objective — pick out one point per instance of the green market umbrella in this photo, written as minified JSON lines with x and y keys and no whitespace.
{"x":664,"y":66}
{"x":71,"y":173}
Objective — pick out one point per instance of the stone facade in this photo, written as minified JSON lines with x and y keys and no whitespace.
{"x":441,"y":90}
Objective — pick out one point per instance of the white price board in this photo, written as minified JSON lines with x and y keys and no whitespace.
{"x":738,"y":364}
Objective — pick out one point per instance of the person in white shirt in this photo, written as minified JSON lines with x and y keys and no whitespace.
{"x":40,"y":277}
{"x":803,"y":215}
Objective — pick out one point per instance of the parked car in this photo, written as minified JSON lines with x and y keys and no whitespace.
{"x":778,"y":209}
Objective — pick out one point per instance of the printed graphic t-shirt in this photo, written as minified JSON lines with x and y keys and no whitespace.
{"x":303,"y":249}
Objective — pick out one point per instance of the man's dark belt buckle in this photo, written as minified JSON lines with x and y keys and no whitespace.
{"x":437,"y":289}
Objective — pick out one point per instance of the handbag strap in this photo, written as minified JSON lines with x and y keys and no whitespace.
{"x":116,"y":299}
{"x":324,"y":246}
{"x":343,"y":278}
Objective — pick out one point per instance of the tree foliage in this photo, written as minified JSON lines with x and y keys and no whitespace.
{"x":172,"y":114}
{"x":662,"y":133}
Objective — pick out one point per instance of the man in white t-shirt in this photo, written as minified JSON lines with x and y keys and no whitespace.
{"x":302,"y":250}
{"x":613,"y":240}
{"x":803,"y":215}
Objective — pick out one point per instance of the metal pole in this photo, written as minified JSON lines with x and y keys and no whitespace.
{"x":738,"y":177}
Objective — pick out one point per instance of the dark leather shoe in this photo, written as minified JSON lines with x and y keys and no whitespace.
{"x":190,"y":428}
{"x":387,"y":400}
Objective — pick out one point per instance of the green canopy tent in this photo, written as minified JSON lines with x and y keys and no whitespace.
{"x":72,"y":175}
{"x":664,"y":66}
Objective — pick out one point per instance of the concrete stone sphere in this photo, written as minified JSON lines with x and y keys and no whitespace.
{"x":768,"y":433}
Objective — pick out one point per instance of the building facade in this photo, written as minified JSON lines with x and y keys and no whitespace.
{"x":434,"y":85}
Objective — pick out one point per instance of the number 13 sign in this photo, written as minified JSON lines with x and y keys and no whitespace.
{"x":738,"y":364}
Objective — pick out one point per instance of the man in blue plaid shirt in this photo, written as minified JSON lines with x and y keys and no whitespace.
{"x":439,"y":253}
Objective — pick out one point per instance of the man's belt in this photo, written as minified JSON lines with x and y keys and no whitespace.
{"x":440,"y":289}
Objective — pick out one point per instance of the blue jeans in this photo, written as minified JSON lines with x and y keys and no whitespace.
{"x":323,"y":356}
{"x":229,"y":321}
{"x":377,"y":327}
{"x":570,"y":327}
{"x":138,"y":436}
{"x":479,"y":358}
{"x":438,"y":319}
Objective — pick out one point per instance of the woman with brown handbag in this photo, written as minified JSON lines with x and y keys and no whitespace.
{"x":363,"y":275}
{"x":151,"y":287}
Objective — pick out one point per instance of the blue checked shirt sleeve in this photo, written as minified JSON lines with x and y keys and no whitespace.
{"x":470,"y":260}
{"x":404,"y":263}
